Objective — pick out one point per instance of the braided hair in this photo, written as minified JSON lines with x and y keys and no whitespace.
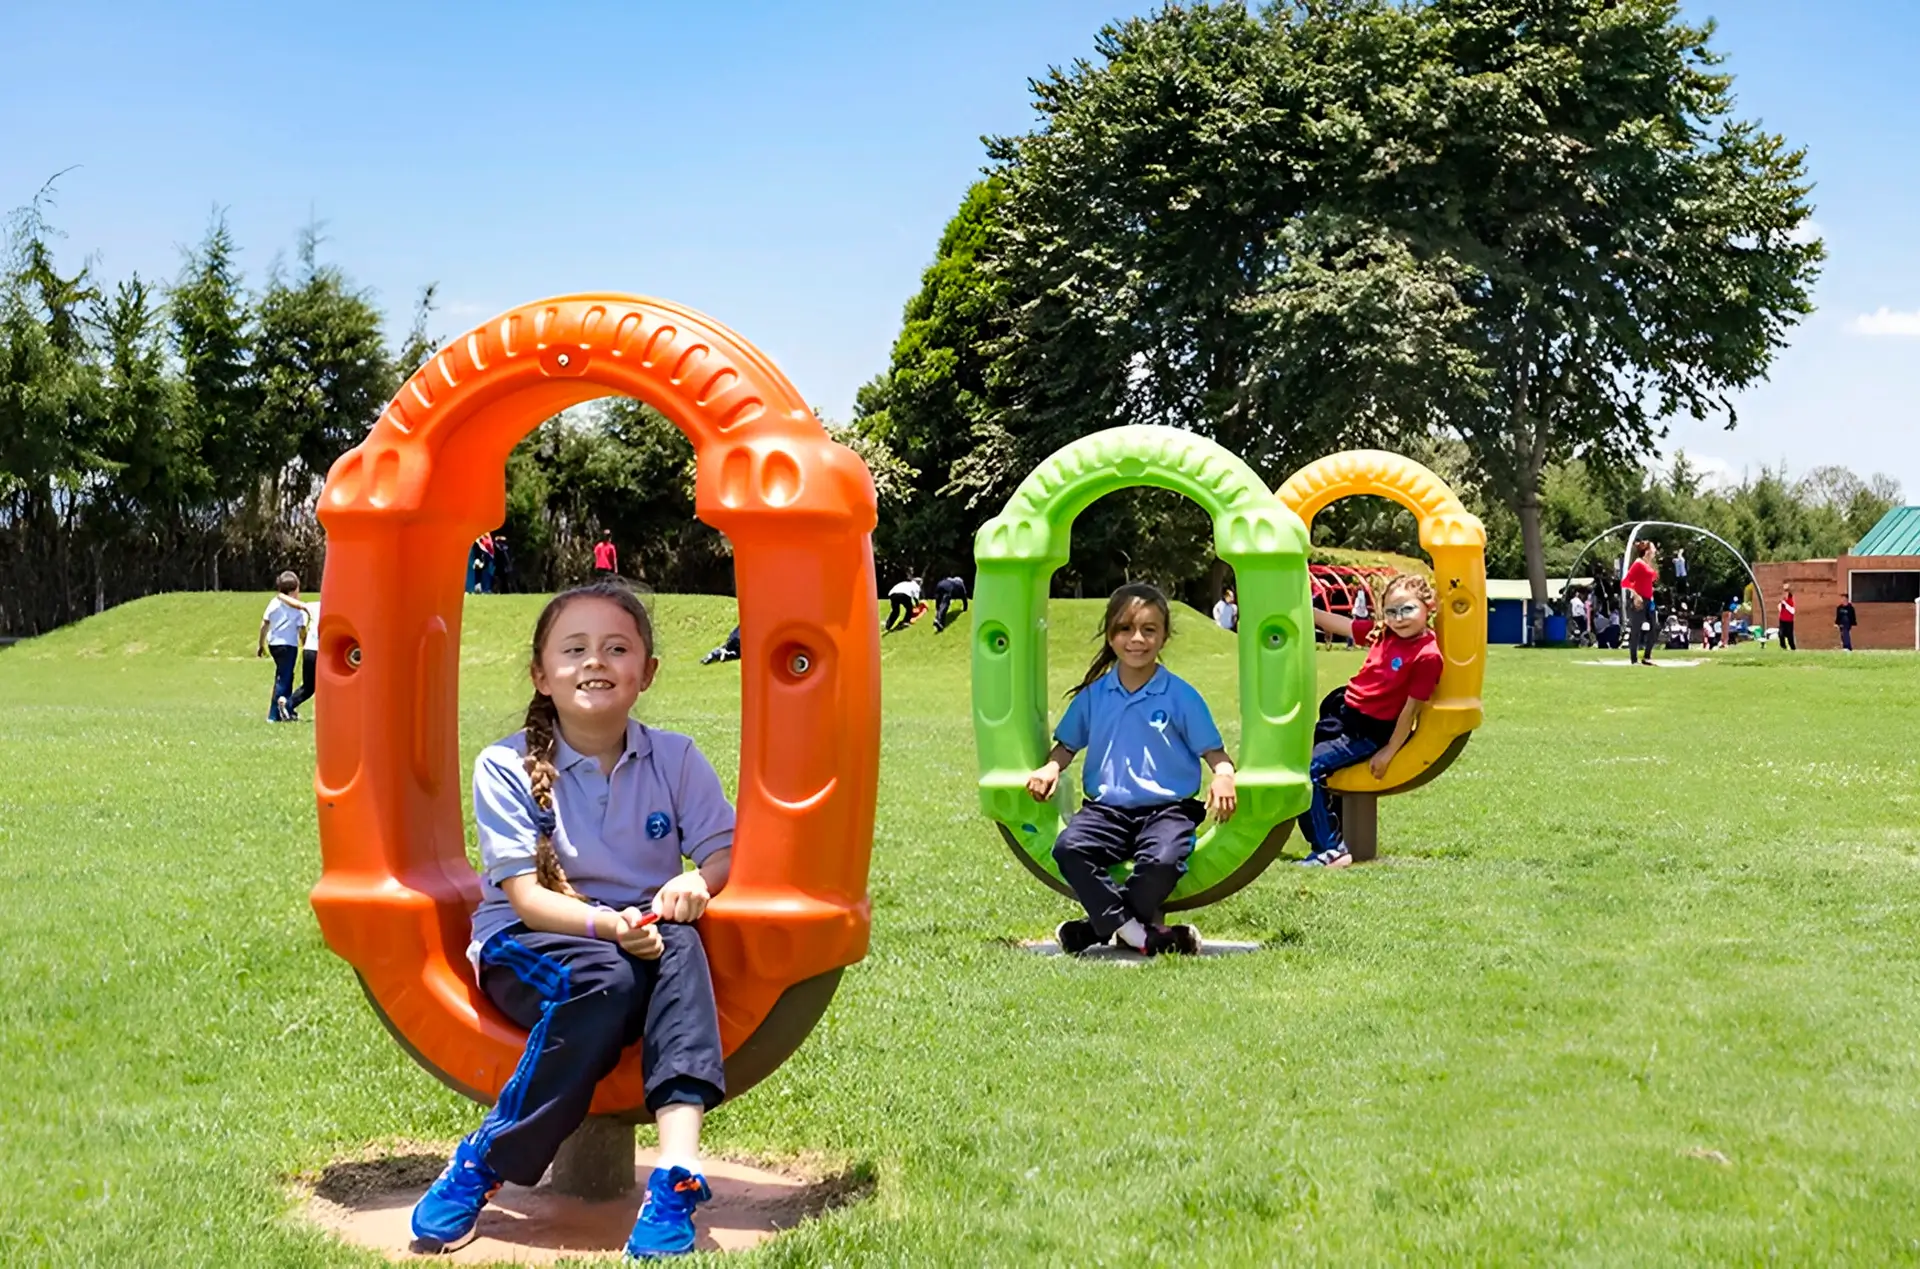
{"x":543,"y":726}
{"x":1412,"y":583}
{"x":1119,"y":606}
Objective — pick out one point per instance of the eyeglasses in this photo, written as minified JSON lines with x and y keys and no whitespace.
{"x":1401,"y":612}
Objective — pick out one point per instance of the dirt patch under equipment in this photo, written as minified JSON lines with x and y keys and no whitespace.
{"x":368,"y":1202}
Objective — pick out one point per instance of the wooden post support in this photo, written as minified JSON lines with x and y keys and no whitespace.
{"x":596,"y":1162}
{"x":1360,"y":824}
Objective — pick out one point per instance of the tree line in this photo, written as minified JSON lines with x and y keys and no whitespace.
{"x":175,"y":435}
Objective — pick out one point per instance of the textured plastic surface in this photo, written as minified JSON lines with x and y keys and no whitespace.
{"x":1016,"y":554}
{"x":396,"y":892}
{"x":1457,"y":543}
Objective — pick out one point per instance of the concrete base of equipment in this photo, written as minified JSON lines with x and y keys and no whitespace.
{"x":1127,"y":956}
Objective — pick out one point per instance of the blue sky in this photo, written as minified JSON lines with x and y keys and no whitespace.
{"x":788,"y":167}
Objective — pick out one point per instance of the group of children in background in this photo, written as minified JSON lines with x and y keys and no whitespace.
{"x":602,"y":841}
{"x":905,"y":603}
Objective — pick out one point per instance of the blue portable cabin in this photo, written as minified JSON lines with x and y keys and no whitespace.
{"x":1507,"y":607}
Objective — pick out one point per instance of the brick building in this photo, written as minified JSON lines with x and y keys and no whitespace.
{"x":1881,"y":574}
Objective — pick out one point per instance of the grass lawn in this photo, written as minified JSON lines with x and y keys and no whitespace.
{"x":1638,"y":981}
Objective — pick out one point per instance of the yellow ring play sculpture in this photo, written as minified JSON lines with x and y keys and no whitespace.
{"x":1457,"y":543}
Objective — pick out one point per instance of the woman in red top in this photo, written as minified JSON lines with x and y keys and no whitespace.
{"x":1372,"y":716}
{"x":1637,"y":590}
{"x":1786,"y":621}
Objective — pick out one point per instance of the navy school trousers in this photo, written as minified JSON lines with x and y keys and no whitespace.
{"x":582,"y":1001}
{"x":1156,"y":840}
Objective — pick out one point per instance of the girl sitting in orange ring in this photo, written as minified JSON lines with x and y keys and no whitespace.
{"x":584,"y":934}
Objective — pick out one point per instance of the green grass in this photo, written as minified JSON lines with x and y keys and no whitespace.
{"x":1645,"y":918}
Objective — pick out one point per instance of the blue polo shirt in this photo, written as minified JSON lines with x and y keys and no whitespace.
{"x":620,"y":835}
{"x":1142,"y":748}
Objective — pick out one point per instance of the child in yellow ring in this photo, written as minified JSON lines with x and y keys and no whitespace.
{"x":1146,"y":733}
{"x":1372,"y":716}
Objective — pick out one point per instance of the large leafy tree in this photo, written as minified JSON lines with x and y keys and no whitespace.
{"x":1627,"y":248}
{"x":1185,"y":242}
{"x":1535,"y":224}
{"x":931,"y":407}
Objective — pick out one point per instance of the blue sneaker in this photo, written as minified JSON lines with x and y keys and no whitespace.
{"x":665,"y":1225}
{"x":1331,"y":857}
{"x":444,"y":1217}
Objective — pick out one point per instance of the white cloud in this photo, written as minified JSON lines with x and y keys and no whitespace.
{"x":1887,"y":321}
{"x":1711,"y":472}
{"x":1809,"y":230}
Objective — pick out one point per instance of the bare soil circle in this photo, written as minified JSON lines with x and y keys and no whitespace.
{"x":368,"y":1202}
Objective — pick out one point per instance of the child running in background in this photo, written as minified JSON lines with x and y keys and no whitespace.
{"x":584,"y":818}
{"x":1146,"y":733}
{"x":1372,"y":716}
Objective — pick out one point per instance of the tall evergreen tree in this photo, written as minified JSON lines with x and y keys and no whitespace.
{"x":211,"y":321}
{"x":321,"y":363}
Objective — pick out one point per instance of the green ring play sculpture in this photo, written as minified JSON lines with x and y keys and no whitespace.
{"x":1016,"y":554}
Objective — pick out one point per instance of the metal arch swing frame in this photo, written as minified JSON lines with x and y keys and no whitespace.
{"x":1759,"y":595}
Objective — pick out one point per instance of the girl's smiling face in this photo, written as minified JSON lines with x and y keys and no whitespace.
{"x":594,"y":664}
{"x":1405,"y":613}
{"x":1137,"y":635}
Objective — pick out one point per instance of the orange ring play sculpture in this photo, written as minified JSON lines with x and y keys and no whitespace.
{"x":396,"y":892}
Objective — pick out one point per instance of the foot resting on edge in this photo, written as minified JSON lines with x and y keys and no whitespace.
{"x":1177,"y":940}
{"x":1076,"y":936}
{"x":665,"y":1225}
{"x":444,"y":1217}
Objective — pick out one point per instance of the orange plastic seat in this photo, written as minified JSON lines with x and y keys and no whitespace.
{"x":396,"y":893}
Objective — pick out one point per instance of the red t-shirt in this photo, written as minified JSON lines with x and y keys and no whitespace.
{"x":1786,"y":610}
{"x":1396,"y":670}
{"x":604,"y":556}
{"x":1639,"y":579}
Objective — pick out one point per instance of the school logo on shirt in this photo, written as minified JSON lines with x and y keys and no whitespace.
{"x":658,"y":824}
{"x":1159,"y":719}
{"x":1396,"y":663}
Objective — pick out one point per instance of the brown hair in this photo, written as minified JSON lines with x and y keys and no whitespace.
{"x":1422,"y":590}
{"x":543,"y":725}
{"x":1119,"y":604}
{"x":287,"y":583}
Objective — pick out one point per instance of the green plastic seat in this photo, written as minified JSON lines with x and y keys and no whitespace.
{"x":1016,"y":554}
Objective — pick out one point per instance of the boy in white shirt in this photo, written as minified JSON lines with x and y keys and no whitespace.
{"x":283,"y":627}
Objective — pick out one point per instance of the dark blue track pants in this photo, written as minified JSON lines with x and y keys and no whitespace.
{"x":583,"y":1001}
{"x":1156,"y":840}
{"x":285,"y":657}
